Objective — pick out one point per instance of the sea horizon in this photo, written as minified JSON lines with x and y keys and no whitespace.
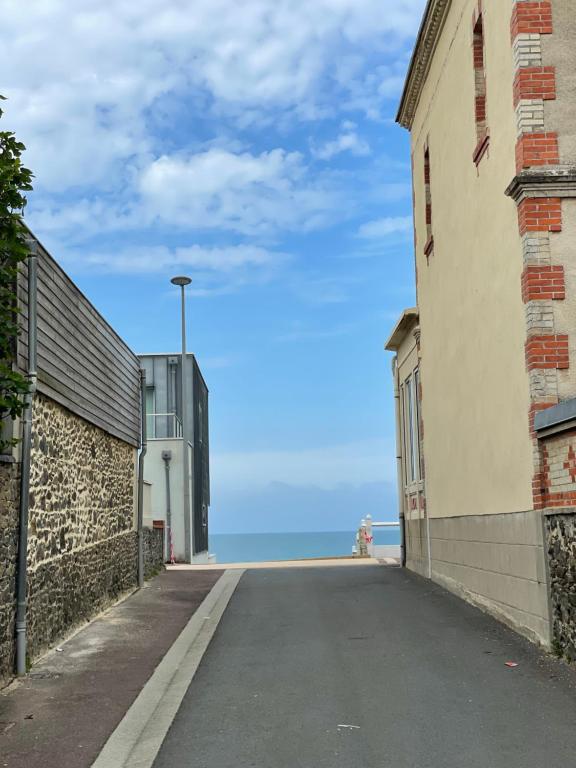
{"x":290,"y":545}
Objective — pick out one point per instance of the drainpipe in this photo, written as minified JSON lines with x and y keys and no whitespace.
{"x":400,"y":482}
{"x":141,"y":478}
{"x":167,"y":457}
{"x":22,"y":575}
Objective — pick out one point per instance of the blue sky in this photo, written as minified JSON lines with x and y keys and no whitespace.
{"x":251,"y":145}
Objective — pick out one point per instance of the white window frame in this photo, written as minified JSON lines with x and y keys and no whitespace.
{"x":411,"y":412}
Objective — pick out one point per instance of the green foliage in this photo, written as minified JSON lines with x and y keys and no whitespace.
{"x":15,"y":181}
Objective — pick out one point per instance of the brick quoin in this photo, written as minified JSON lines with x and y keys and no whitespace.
{"x":535,"y":83}
{"x":542,"y":283}
{"x":548,"y":351}
{"x":481,"y":108}
{"x":540,"y":214}
{"x":541,"y":479}
{"x":537,"y":149}
{"x":536,"y":408}
{"x":531,"y":19}
{"x":478,"y":48}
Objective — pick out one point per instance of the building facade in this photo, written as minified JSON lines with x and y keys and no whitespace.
{"x":86,"y":418}
{"x":186,"y":531}
{"x":489,"y":100}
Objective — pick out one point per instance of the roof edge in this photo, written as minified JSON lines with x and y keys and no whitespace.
{"x":426,"y":42}
{"x":407,"y":319}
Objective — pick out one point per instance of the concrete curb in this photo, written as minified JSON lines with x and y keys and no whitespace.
{"x":139,"y":735}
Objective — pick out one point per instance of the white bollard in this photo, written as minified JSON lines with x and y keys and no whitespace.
{"x":369,"y":536}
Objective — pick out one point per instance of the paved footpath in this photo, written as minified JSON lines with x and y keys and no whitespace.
{"x":61,"y":715}
{"x":368,"y":667}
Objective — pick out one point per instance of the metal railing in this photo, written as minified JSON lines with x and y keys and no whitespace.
{"x":163,"y":425}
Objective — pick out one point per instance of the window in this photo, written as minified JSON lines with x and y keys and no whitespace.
{"x":417,"y":435}
{"x":482,"y":133}
{"x":411,"y":429}
{"x":429,"y":247}
{"x":150,"y":411}
{"x":404,"y":433}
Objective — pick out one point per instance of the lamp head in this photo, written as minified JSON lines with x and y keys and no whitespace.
{"x":181,"y":280}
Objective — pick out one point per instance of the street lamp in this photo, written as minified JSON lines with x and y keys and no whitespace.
{"x":182,"y":281}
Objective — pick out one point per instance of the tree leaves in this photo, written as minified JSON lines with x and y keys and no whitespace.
{"x":15,"y":181}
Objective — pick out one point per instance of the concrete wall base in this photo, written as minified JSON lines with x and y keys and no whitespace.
{"x":497,"y":563}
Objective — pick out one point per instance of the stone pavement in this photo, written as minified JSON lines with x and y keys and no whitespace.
{"x":61,"y":715}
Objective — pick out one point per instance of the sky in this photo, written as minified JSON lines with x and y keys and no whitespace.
{"x":253,"y":146}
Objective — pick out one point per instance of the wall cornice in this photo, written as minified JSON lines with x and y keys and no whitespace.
{"x":559,"y":181}
{"x":428,"y":36}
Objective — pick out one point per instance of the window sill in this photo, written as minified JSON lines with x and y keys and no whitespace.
{"x":481,"y":149}
{"x":429,"y":247}
{"x":417,"y":486}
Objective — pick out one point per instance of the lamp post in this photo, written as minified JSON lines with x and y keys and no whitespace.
{"x":182,"y":282}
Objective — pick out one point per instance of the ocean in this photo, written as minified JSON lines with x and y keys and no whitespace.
{"x":259,"y":547}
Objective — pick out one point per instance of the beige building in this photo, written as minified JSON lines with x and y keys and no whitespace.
{"x":490,"y":101}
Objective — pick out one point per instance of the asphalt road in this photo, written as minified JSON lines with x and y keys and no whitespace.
{"x":302,"y":655}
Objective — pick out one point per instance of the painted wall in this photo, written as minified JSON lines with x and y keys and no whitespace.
{"x":559,"y":51}
{"x":476,"y":396}
{"x":155,"y":473}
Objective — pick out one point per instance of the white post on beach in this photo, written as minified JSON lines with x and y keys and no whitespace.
{"x":369,"y":539}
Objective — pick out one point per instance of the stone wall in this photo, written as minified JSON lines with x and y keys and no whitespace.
{"x":82,"y":542}
{"x":8,"y":550}
{"x":153,"y":551}
{"x":561,"y":544}
{"x":558,"y":493}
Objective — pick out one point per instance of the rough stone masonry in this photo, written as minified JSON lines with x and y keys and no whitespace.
{"x":9,"y":482}
{"x":82,"y":543}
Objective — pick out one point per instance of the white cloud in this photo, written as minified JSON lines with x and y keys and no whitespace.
{"x":88,"y":79}
{"x":347,"y":141}
{"x":204,"y":259}
{"x":381,"y":228}
{"x":240,"y":192}
{"x":107,"y":97}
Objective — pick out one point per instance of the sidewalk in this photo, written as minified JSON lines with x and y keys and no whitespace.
{"x":61,"y":715}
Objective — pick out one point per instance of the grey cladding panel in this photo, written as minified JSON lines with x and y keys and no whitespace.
{"x":82,"y":363}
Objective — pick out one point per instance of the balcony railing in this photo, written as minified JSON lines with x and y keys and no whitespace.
{"x":163,"y":425}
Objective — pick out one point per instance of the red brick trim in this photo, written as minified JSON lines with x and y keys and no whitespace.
{"x":543,"y":283}
{"x":549,"y":351}
{"x":478,"y":48}
{"x":531,"y":18}
{"x":548,"y":489}
{"x":534,"y":149}
{"x":540,"y":214}
{"x":535,"y":83}
{"x":536,"y":408}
